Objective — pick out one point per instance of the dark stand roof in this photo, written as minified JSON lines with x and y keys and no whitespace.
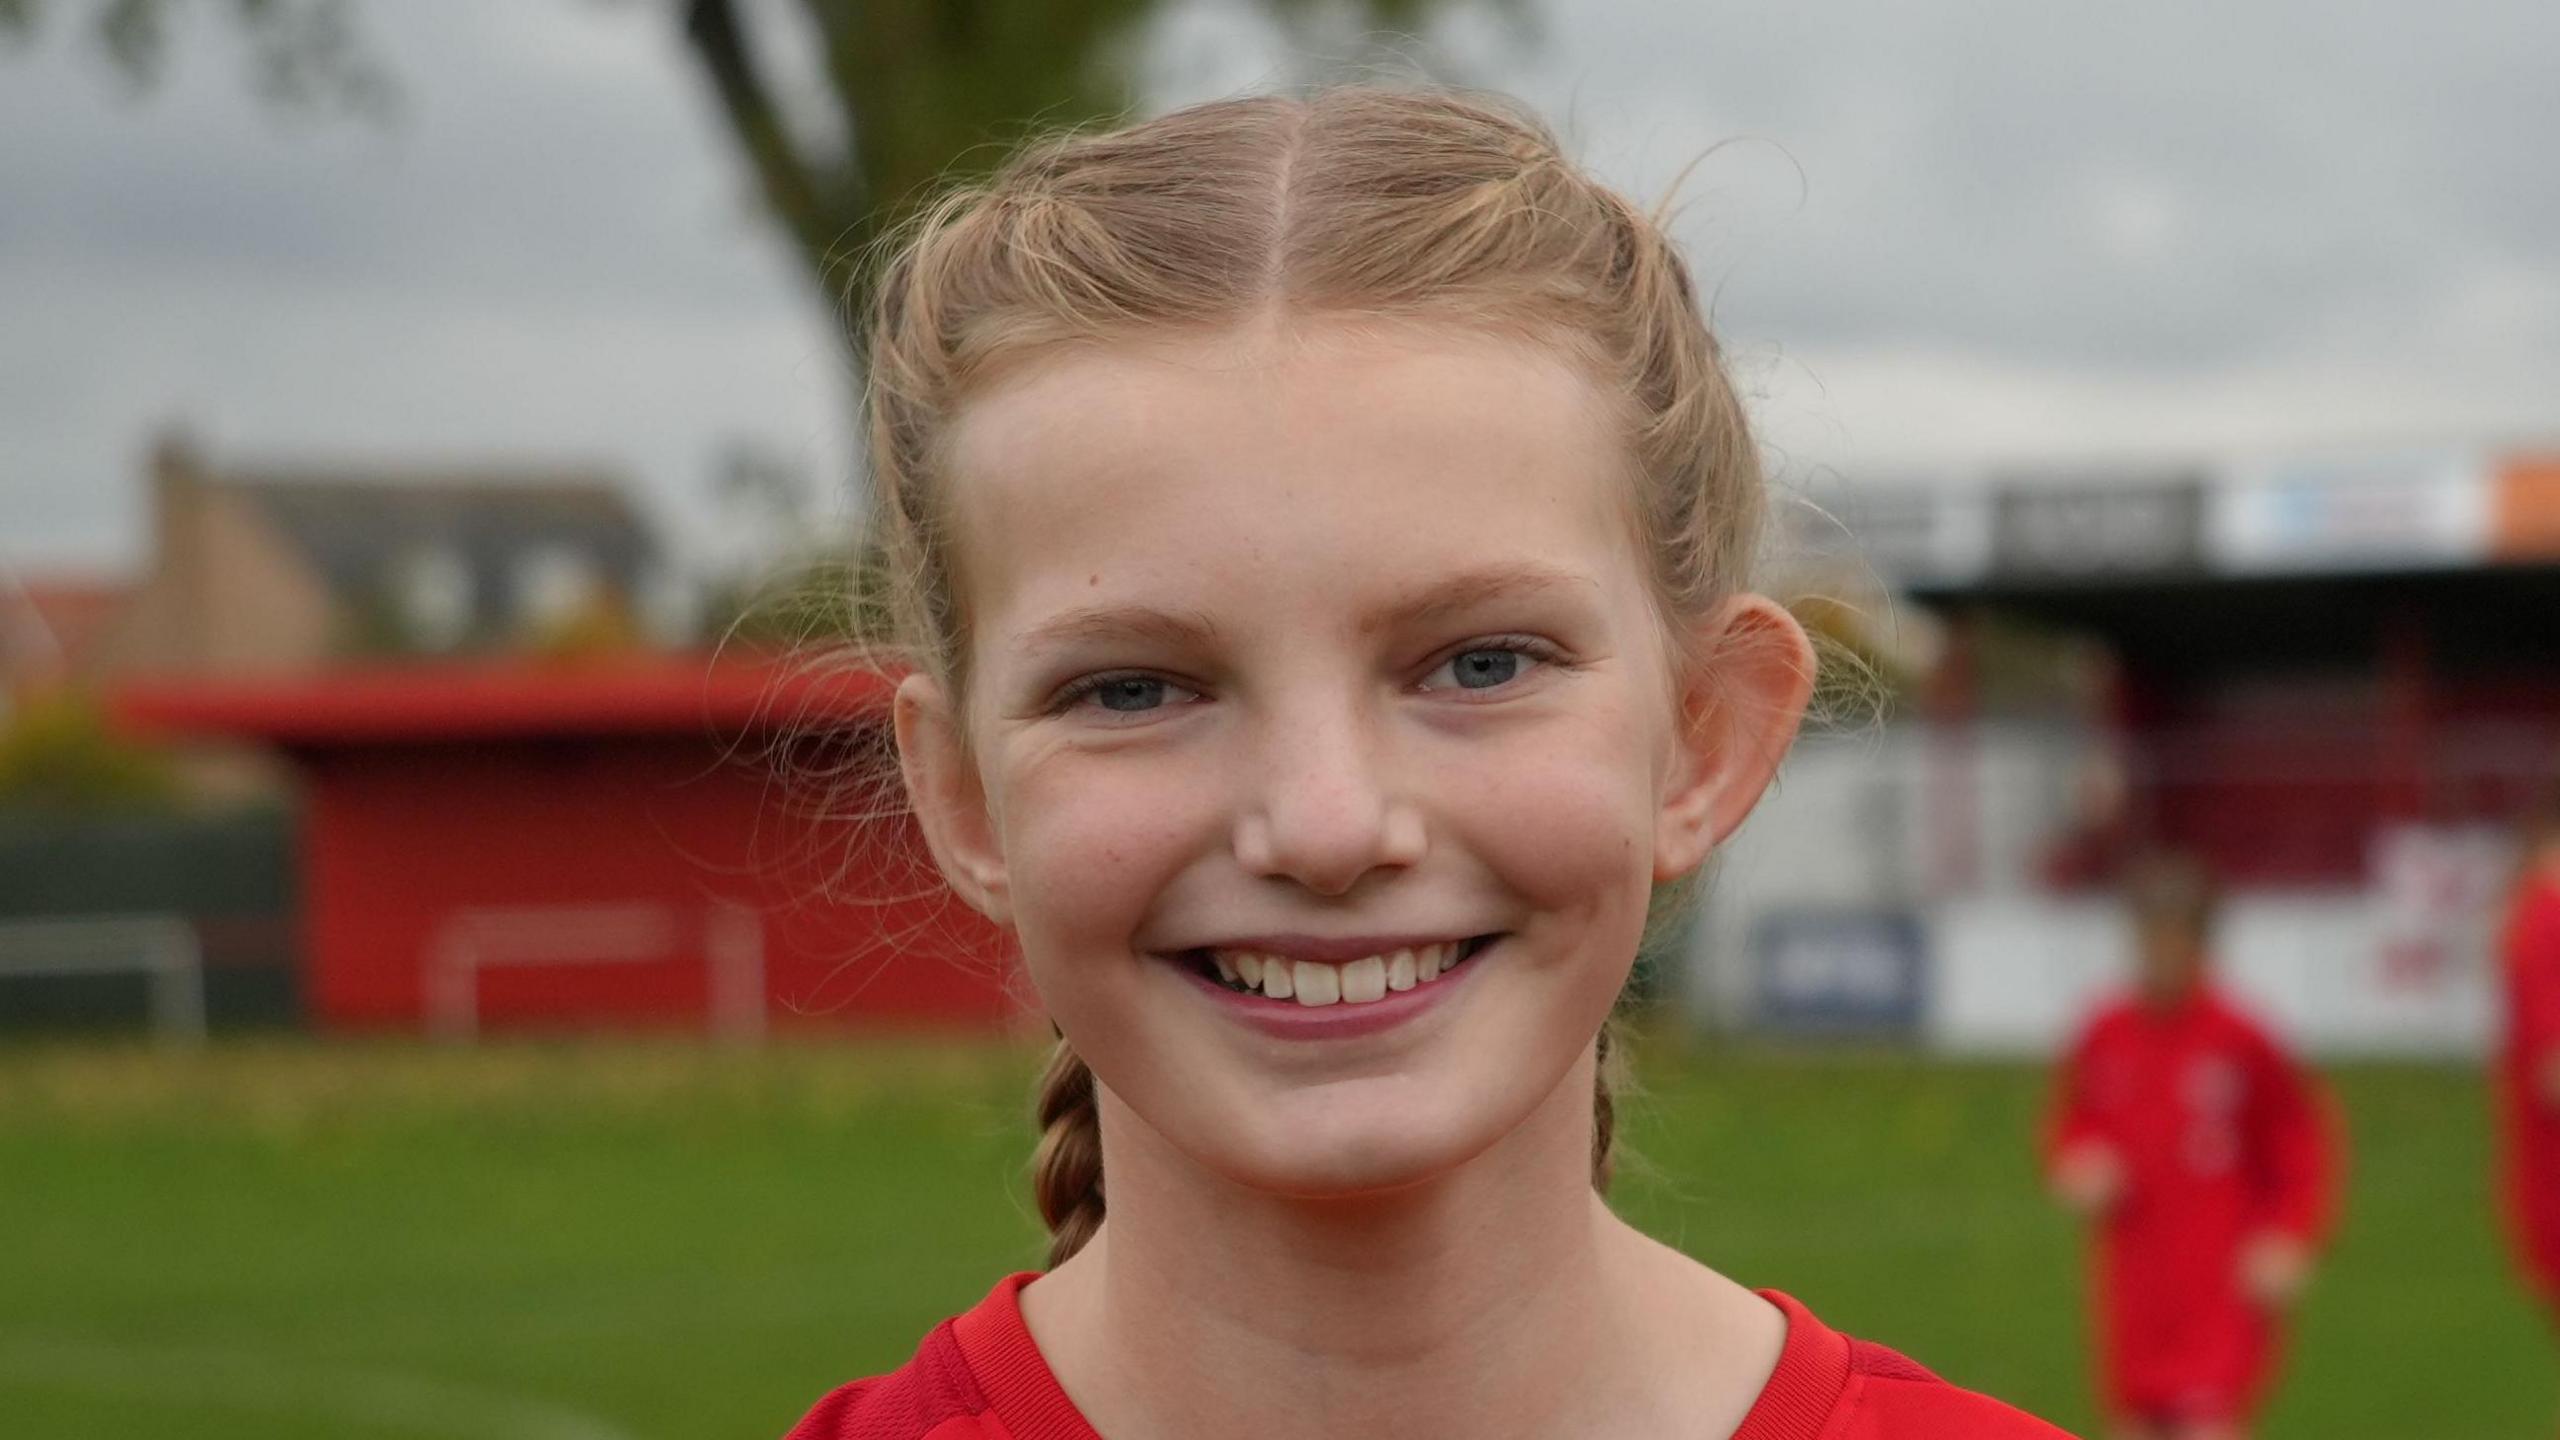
{"x":2486,"y":618}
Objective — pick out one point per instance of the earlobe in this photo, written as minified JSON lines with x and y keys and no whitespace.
{"x":1739,"y":711}
{"x":949,"y":797}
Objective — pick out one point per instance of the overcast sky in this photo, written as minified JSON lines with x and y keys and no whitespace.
{"x":1938,"y":233}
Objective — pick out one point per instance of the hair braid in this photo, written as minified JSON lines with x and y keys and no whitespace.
{"x":1066,"y":1174}
{"x":1604,"y":1111}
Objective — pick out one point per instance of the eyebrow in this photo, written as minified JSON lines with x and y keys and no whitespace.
{"x":1191,"y":629}
{"x":1461,"y":593}
{"x":1121,"y":622}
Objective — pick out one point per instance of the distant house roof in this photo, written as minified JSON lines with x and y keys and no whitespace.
{"x":355,"y":530}
{"x":671,"y":696}
{"x":49,"y":623}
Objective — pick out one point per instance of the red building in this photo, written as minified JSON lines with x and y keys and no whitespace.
{"x":662,"y":842}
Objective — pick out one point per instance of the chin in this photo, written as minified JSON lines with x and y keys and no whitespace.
{"x":1380,"y":1153}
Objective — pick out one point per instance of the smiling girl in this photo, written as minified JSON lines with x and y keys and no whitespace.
{"x":1318,"y":530}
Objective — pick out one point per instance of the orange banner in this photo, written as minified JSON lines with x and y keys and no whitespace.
{"x":2527,"y":520}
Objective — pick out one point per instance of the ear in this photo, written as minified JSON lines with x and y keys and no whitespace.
{"x":950,"y":799}
{"x":1739,"y":710}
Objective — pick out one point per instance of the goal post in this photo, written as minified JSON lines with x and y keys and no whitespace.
{"x":474,"y":941}
{"x":165,"y":948}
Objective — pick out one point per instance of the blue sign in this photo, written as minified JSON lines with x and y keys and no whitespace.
{"x":1840,"y":972}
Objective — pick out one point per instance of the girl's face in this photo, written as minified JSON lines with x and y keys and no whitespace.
{"x":1302,"y":667}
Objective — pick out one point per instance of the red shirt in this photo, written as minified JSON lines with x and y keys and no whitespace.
{"x":2222,"y":1137}
{"x":980,"y":1377}
{"x":2532,"y":1124}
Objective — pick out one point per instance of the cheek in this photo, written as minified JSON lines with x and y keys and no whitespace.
{"x":1568,"y":818}
{"x":1090,"y":844}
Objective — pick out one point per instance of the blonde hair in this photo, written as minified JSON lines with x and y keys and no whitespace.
{"x":1356,"y":202}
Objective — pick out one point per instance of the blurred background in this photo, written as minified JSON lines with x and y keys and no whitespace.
{"x":444,"y":990}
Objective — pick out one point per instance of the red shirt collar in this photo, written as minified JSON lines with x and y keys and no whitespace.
{"x":1813,"y":1369}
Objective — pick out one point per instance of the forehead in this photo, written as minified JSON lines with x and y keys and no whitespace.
{"x":1278,"y":369}
{"x":1318,"y":451}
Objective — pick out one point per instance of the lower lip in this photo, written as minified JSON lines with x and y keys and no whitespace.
{"x":1289,"y":1020}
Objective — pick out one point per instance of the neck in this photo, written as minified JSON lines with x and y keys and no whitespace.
{"x":2171,"y":998}
{"x":1502,"y":1299}
{"x":2544,"y":857}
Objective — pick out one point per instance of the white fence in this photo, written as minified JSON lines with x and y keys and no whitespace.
{"x":162,"y":947}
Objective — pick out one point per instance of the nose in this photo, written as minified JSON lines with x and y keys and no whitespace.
{"x":1326,"y":809}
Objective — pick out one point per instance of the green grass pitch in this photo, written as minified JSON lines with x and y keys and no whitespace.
{"x":651,"y":1241}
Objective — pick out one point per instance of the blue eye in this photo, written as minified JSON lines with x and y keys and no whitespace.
{"x":1487,"y":667}
{"x":1484,"y":669}
{"x":1125,"y":693}
{"x":1129,"y":693}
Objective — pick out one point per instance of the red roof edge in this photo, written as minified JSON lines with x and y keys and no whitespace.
{"x":657,"y":695}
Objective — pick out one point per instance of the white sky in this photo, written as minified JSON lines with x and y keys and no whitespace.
{"x":1938,"y":233}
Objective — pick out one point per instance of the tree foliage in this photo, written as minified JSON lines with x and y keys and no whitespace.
{"x":60,"y":755}
{"x":303,"y":53}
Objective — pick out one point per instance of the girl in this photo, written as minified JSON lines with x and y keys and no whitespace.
{"x":2207,"y":1157}
{"x":2528,"y":1069}
{"x":1317,"y":528}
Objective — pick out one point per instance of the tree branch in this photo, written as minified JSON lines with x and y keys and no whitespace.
{"x":791,"y":186}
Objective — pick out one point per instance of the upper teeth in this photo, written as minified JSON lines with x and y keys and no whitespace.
{"x":1312,"y":982}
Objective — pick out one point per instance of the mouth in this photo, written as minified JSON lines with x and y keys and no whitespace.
{"x":1312,"y":983}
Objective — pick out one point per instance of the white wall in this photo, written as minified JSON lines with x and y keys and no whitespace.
{"x":2013,"y":975}
{"x":2011,"y":969}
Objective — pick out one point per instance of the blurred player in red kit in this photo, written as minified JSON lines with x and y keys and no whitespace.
{"x":2529,"y":1058}
{"x":2206,"y":1157}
